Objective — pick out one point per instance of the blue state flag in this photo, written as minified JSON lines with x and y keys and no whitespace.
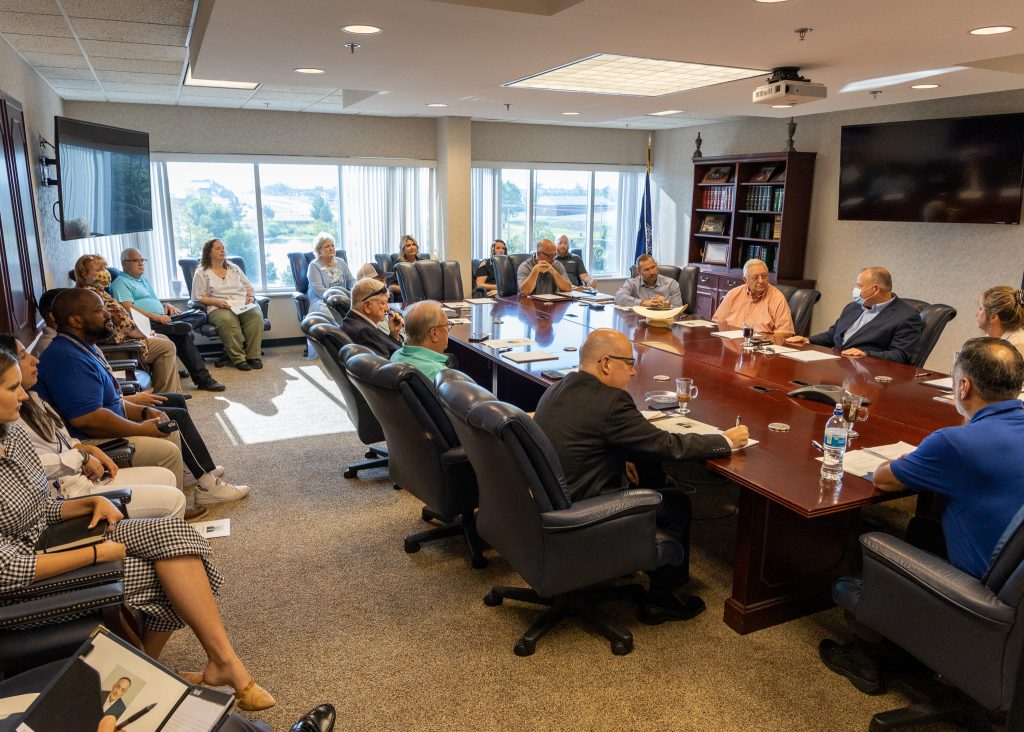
{"x":644,"y":233}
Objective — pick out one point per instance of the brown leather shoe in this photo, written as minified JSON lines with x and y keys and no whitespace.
{"x":195,"y":512}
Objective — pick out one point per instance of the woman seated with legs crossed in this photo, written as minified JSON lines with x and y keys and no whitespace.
{"x":77,"y":469}
{"x":223,"y":288}
{"x":168,"y":576}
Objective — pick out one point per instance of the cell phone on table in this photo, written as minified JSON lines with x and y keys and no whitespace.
{"x":552,"y":374}
{"x":477,"y":337}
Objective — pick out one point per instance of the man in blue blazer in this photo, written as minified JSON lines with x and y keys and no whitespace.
{"x":877,"y":323}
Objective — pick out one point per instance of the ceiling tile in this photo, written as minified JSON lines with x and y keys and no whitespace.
{"x":146,"y":51}
{"x":142,"y":97}
{"x":57,"y":60}
{"x":319,"y":90}
{"x":143,"y":66}
{"x":42,"y":44}
{"x":165,"y":12}
{"x":209,"y":102}
{"x":34,"y":24}
{"x":112,"y":30}
{"x":284,"y":106}
{"x":123,"y":86}
{"x":201,"y":92}
{"x":74,"y":84}
{"x":127,"y":76}
{"x":273,"y":96}
{"x":56,"y":73}
{"x":44,"y":7}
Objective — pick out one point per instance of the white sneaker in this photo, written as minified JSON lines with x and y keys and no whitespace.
{"x":218,"y":470}
{"x":221,"y":492}
{"x":190,"y":480}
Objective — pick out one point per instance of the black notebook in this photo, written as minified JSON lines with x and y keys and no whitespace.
{"x":71,"y":534}
{"x":110,"y":679}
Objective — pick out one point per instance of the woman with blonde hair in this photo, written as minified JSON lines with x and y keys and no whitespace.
{"x":327,"y":270}
{"x":1001,"y":315}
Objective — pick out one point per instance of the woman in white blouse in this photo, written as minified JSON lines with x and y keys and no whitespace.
{"x":75,"y":469}
{"x":228,"y":296}
{"x":327,"y":270}
{"x":1001,"y":315}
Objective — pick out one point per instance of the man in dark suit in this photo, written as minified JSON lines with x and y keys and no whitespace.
{"x":877,"y":323}
{"x":111,"y":702}
{"x":592,"y":421}
{"x":369,"y":307}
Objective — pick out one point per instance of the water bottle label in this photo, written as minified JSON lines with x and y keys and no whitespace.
{"x":835,"y":440}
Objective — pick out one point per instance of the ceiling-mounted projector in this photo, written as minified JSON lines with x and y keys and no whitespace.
{"x":786,"y":86}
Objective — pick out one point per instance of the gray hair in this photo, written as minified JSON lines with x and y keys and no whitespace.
{"x":420,"y":317}
{"x":320,"y":239}
{"x":364,"y":289}
{"x":746,"y":265}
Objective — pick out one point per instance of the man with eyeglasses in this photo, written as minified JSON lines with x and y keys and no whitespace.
{"x":597,"y":430}
{"x":541,"y":274}
{"x":756,"y":302}
{"x":370,"y":309}
{"x":426,"y":330}
{"x":134,"y":291}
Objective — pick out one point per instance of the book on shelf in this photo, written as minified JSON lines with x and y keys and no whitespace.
{"x":718,"y":174}
{"x":777,"y":228}
{"x":764,"y":174}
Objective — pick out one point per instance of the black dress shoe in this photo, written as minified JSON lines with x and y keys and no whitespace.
{"x":255,"y":363}
{"x":211,"y":384}
{"x":320,"y":719}
{"x":851,"y":662}
{"x":676,"y":609}
{"x":243,"y":366}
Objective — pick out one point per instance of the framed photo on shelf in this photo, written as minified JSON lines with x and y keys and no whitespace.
{"x":716,"y":253}
{"x":764,"y":174}
{"x":713,"y":224}
{"x":718,"y":174}
{"x":779,"y":177}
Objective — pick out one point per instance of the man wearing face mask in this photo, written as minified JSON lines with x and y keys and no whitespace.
{"x":877,"y":323}
{"x":976,"y":468}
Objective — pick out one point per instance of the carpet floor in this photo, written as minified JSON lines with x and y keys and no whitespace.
{"x":323,"y":604}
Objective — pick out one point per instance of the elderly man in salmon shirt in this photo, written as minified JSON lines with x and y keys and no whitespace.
{"x":756,"y":302}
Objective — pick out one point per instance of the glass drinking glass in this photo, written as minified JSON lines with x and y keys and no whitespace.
{"x":854,"y":411}
{"x":748,"y":334}
{"x":685,"y":391}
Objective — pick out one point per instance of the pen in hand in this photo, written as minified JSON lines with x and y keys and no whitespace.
{"x":738,"y":420}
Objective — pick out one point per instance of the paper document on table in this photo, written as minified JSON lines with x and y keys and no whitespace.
{"x":945,"y":384}
{"x":777,"y":349}
{"x":458,"y":304}
{"x":687,"y":426}
{"x":810,"y":356}
{"x":142,"y":322}
{"x":459,"y":321}
{"x":891,"y":452}
{"x":548,"y":298}
{"x":480,"y":301}
{"x":863,"y":463}
{"x":696,"y":323}
{"x":506,"y":342}
{"x":212,"y":529}
{"x":730,"y":334}
{"x":944,"y":398}
{"x":528,"y":356}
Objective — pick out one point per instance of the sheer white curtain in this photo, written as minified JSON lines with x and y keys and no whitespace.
{"x":485,"y":207}
{"x":631,"y":190}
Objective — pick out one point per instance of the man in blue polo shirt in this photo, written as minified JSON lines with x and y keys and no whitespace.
{"x":978,"y":468}
{"x":134,"y":292}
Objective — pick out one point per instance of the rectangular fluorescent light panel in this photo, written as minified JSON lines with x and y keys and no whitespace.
{"x":191,"y":81}
{"x":605,"y":73}
{"x":666,"y":113}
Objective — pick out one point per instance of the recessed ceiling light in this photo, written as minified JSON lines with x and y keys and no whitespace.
{"x":991,"y":30}
{"x":665,"y":113}
{"x":437,"y":105}
{"x":217,"y":83}
{"x":571,"y":114}
{"x":781,"y":106}
{"x":605,"y":73}
{"x":308,"y":70}
{"x":925,"y":86}
{"x":363,"y":30}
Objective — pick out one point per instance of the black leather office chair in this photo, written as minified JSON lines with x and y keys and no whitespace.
{"x":687,"y":279}
{"x":386,"y":261}
{"x":559,"y":547}
{"x":504,"y":275}
{"x":299,"y":262}
{"x":577,"y":252}
{"x":338,"y":302}
{"x":425,"y":456}
{"x":933,"y":321}
{"x":969,"y":631}
{"x":429,"y":280}
{"x":328,"y":340}
{"x":801,"y":305}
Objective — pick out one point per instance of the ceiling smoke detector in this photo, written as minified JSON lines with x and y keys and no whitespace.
{"x":786,"y":86}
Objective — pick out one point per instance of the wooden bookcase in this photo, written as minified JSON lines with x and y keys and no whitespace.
{"x":749,"y":207}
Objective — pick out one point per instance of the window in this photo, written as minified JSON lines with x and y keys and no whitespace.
{"x":597,"y":209}
{"x":264,"y":210}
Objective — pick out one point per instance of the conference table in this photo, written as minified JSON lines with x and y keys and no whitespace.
{"x":792,"y":530}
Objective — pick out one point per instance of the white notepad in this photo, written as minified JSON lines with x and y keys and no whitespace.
{"x":863,"y":463}
{"x":687,"y":426}
{"x":459,"y":321}
{"x":528,"y":356}
{"x":481,"y":300}
{"x":778,"y":349}
{"x":458,"y":304}
{"x":143,"y":323}
{"x":506,"y":342}
{"x":695,"y":323}
{"x":730,"y":334}
{"x":810,"y":356}
{"x":548,"y":298}
{"x":945,"y":384}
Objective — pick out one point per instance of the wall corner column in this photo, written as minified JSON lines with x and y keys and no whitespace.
{"x":454,"y":164}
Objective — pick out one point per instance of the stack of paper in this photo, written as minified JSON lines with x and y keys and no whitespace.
{"x":506,"y":342}
{"x":730,"y":334}
{"x":810,"y":356}
{"x":685,"y":425}
{"x":528,"y":356}
{"x":481,"y":300}
{"x":695,"y":323}
{"x":777,"y":349}
{"x":945,"y":384}
{"x":863,"y":463}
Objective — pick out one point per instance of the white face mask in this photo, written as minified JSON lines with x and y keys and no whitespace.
{"x":856,"y":296}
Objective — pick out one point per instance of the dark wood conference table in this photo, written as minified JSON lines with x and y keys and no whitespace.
{"x":792,"y":532}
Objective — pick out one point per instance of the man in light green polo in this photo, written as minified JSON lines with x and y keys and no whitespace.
{"x":426,"y":337}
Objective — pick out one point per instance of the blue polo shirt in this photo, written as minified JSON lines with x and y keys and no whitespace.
{"x":138,"y":292}
{"x":75,"y":382}
{"x":979,"y":468}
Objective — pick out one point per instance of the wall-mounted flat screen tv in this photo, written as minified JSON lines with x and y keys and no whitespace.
{"x":104,"y":183}
{"x":962,"y":170}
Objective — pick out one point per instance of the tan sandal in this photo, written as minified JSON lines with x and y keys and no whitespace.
{"x":254,"y":697}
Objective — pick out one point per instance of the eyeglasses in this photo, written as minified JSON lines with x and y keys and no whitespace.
{"x":449,"y":325}
{"x":629,"y":361}
{"x":138,"y":261}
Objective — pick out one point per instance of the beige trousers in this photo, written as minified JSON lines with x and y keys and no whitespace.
{"x":162,"y":359}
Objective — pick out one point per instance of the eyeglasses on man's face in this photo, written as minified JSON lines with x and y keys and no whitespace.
{"x":628,"y":360}
{"x":449,"y":325}
{"x":136,"y":261}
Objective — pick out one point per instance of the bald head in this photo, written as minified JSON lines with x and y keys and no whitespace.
{"x":546,"y":247}
{"x":994,"y":368}
{"x":878,"y":276}
{"x":607,"y":355}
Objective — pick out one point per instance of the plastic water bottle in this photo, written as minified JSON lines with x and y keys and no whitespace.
{"x":834,"y":443}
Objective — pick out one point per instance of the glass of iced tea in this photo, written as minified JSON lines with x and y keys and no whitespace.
{"x":685,"y":391}
{"x":854,"y":411}
{"x":748,"y":333}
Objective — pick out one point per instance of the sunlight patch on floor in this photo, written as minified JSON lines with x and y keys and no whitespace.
{"x":309,"y":405}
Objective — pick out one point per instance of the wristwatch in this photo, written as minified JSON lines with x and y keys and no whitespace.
{"x":85,"y":458}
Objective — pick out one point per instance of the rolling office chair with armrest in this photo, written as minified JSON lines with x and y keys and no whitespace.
{"x":328,"y":339}
{"x":686,"y":277}
{"x":338,"y":302}
{"x":386,"y":261}
{"x":801,"y":304}
{"x":969,"y":631}
{"x":559,"y":547}
{"x":504,"y":275}
{"x":429,"y":280}
{"x":933,"y":321}
{"x":426,"y":458}
{"x":299,"y":263}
